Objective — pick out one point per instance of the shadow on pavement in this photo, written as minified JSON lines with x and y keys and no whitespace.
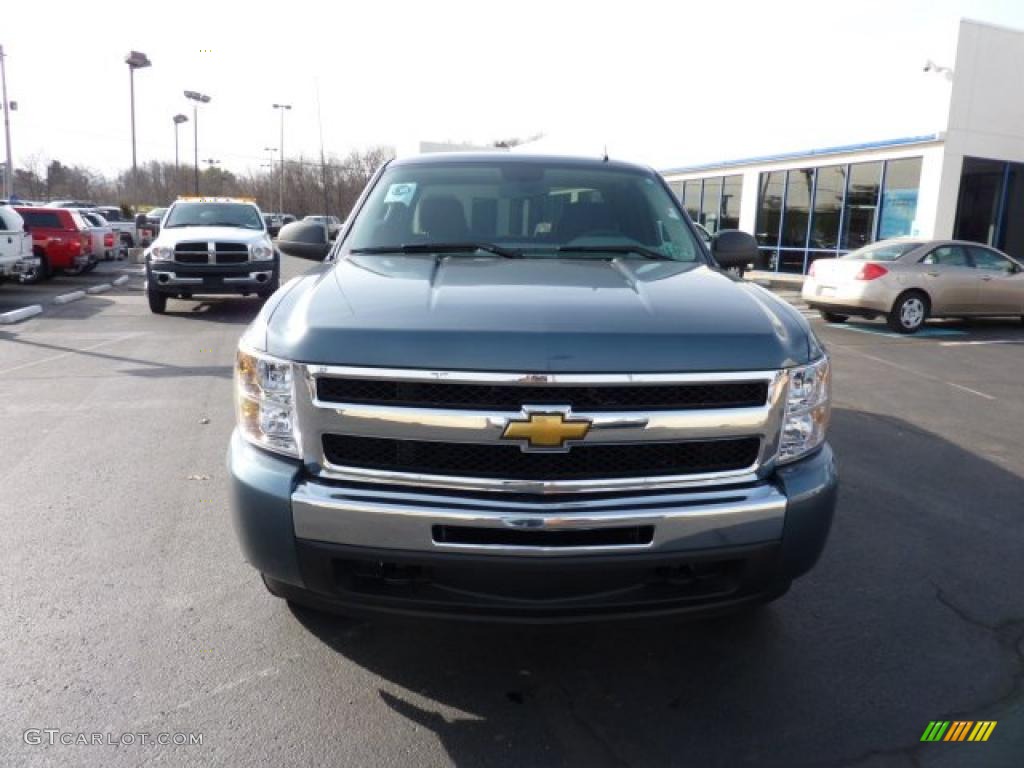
{"x":914,"y":613}
{"x":233,"y":311}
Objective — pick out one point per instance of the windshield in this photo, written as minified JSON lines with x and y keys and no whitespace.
{"x":884,"y":251}
{"x":556,"y":210}
{"x":214,"y":215}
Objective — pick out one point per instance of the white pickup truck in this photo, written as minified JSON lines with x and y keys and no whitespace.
{"x":15,"y":244}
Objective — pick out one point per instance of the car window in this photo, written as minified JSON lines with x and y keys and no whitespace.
{"x":42,"y":219}
{"x":5,"y":226}
{"x":884,"y":251}
{"x":533,"y":208}
{"x":947,"y":256}
{"x":990,"y":260}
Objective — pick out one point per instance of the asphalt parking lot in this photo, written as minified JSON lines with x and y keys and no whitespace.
{"x":127,"y":606}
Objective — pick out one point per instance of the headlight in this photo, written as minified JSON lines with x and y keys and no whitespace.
{"x":808,"y":406}
{"x":262,"y":253}
{"x":265,"y":402}
{"x":161,"y":253}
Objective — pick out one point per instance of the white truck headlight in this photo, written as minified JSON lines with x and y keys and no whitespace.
{"x":808,"y":407}
{"x":265,"y":402}
{"x":262,"y":252}
{"x":161,"y":253}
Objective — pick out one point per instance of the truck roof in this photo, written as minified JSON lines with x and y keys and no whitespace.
{"x":506,"y":158}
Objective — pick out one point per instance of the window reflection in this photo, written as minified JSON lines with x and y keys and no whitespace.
{"x":771,"y":189}
{"x":732,"y":191}
{"x":828,"y":207}
{"x":711,"y":205}
{"x":861,"y":205}
{"x":899,"y":197}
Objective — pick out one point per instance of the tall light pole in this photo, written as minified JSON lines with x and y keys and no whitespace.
{"x":270,"y":159}
{"x":196,"y":98}
{"x":281,"y":108}
{"x":9,"y":172}
{"x":135,"y":60}
{"x":178,"y":120}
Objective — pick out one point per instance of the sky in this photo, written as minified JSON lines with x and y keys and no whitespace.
{"x":663,"y":83}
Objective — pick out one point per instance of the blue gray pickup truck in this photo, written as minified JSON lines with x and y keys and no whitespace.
{"x":523,"y":389}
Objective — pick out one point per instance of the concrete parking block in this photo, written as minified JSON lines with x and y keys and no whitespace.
{"x":17,"y":315}
{"x":67,"y":298}
{"x":101,"y":288}
{"x":122,"y":280}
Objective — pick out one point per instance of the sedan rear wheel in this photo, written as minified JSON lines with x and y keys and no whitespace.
{"x":908,"y":312}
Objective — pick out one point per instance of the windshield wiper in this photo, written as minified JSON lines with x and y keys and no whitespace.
{"x":647,"y":253}
{"x":497,"y":250}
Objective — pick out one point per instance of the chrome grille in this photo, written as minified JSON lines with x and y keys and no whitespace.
{"x":444,"y":429}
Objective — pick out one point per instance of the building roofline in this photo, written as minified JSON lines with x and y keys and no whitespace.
{"x":838,"y":150}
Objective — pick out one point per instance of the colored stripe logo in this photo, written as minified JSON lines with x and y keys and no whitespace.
{"x":959,"y":730}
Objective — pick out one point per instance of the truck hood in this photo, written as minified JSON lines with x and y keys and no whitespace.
{"x":170,"y":237}
{"x":530,"y":315}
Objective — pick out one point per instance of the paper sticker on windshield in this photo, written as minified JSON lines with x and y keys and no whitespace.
{"x":400,"y":193}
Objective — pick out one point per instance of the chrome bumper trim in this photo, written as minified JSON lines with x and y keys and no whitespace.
{"x":404,"y":521}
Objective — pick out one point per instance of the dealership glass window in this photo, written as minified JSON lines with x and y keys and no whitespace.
{"x":732,"y":192}
{"x":691,"y":198}
{"x":1011,"y":231}
{"x":977,"y":209}
{"x":799,"y":185}
{"x":829,"y":191}
{"x":861,"y":205}
{"x":771,"y":191}
{"x":899,"y":197}
{"x":711,"y":206}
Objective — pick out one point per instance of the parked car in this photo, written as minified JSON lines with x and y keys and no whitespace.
{"x":104,"y":243}
{"x":15,"y":245}
{"x":122,"y":225}
{"x":333,"y":224}
{"x":211,"y":246}
{"x":906,"y":281}
{"x":60,"y":239}
{"x":72,"y":204}
{"x":571,"y":415}
{"x":148,"y":225}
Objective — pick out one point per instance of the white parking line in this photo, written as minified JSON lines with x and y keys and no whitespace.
{"x":919,"y":373}
{"x":69,"y":352}
{"x":979,"y":343}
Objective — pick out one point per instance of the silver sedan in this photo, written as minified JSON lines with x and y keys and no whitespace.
{"x":906,"y":281}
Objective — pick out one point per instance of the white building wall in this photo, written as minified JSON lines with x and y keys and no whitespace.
{"x":986,"y":111}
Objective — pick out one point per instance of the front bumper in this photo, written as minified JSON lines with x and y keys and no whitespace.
{"x":386,"y":549}
{"x":174,"y":278}
{"x":19,"y":267}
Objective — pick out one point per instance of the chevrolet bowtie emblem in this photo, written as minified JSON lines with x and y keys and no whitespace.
{"x":546,"y":430}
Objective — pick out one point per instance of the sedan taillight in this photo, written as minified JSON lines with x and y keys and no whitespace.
{"x":870,"y":272}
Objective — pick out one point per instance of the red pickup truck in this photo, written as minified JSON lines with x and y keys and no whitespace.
{"x":60,"y":238}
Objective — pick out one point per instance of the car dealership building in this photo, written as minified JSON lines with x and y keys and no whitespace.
{"x":964,"y":181}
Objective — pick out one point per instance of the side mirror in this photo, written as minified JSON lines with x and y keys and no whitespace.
{"x":304,"y":240}
{"x":733,"y":248}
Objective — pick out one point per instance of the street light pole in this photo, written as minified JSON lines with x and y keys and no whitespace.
{"x":9,"y":172}
{"x":178,"y":120}
{"x":197,"y":99}
{"x":135,"y":60}
{"x":282,"y":108}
